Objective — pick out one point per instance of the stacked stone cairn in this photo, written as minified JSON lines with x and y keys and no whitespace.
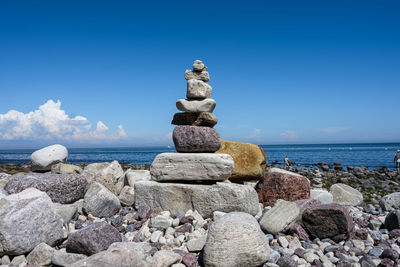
{"x":193,"y":177}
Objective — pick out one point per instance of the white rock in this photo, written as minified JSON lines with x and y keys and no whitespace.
{"x":178,"y":198}
{"x":346,"y":195}
{"x":63,"y":258}
{"x":43,"y":159}
{"x":236,"y":240}
{"x":133,"y":176}
{"x":19,"y":261}
{"x":26,"y":220}
{"x":196,"y":244}
{"x":198,"y":65}
{"x":127,"y":196}
{"x":108,"y":174}
{"x":41,"y":255}
{"x":218,"y":215}
{"x":390,"y":202}
{"x":206,"y":105}
{"x":5,"y":260}
{"x":280,"y":217}
{"x":191,"y":166}
{"x":142,"y":248}
{"x":283,"y":241}
{"x":197,"y":89}
{"x":114,"y":257}
{"x":100,"y":202}
{"x":160,"y":221}
{"x":155,"y":236}
{"x":310,"y":256}
{"x":165,"y":258}
{"x":321,"y":195}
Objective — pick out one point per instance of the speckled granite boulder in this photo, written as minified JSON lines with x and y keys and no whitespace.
{"x":328,"y":221}
{"x":193,"y":139}
{"x":61,"y":188}
{"x":236,"y":240}
{"x":93,"y":238}
{"x":282,"y":184}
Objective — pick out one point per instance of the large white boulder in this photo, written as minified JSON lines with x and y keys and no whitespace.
{"x":179,"y":198}
{"x":43,"y":159}
{"x":133,"y":176}
{"x":26,"y":220}
{"x":191,"y":166}
{"x":321,"y":195}
{"x":346,"y":195}
{"x":236,"y":240}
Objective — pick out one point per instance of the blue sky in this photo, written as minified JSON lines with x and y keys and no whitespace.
{"x":281,"y":71}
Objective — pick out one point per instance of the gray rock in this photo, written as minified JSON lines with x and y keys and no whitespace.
{"x":286,"y":261}
{"x":236,"y":240}
{"x":26,"y":220}
{"x":115,"y":257}
{"x":61,"y":188}
{"x":191,"y":166}
{"x":198,"y":75}
{"x":346,"y":195}
{"x":197,"y":89}
{"x":100,"y":202}
{"x":64,"y":259}
{"x":5,"y":260}
{"x":66,"y":212}
{"x":321,"y":195}
{"x":179,"y":198}
{"x":142,"y":248}
{"x":390,"y":202}
{"x":133,"y":176}
{"x":41,"y":255}
{"x":198,"y":65}
{"x":108,"y":174}
{"x":280,"y":217}
{"x":165,"y":258}
{"x":93,"y":238}
{"x":43,"y":159}
{"x":65,"y":168}
{"x":206,"y":105}
{"x":127,"y":196}
{"x":195,"y":119}
{"x":196,"y":244}
{"x":19,"y":261}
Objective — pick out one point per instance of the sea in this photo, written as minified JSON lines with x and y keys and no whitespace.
{"x":373,"y":155}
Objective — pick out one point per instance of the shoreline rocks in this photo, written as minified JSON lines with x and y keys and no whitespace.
{"x":43,"y":159}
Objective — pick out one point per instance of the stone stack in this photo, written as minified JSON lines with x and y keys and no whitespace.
{"x":192,"y":178}
{"x":194,"y":132}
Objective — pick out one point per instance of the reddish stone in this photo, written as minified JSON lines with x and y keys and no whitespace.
{"x":194,"y":139}
{"x":187,"y":227}
{"x":386,"y":263}
{"x":362,"y":234}
{"x":190,"y":260}
{"x":186,"y":219}
{"x":328,"y":221}
{"x":298,"y":230}
{"x":281,"y":184}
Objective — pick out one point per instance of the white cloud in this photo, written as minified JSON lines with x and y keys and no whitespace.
{"x":49,"y":121}
{"x":256,"y":133}
{"x":290,"y":135}
{"x":332,"y":130}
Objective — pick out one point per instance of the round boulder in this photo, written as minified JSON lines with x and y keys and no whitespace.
{"x":43,"y":159}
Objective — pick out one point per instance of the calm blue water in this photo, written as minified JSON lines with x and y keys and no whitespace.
{"x":373,"y":155}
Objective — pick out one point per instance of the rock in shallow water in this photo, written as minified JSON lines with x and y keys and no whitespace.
{"x":61,"y":188}
{"x":250,"y":160}
{"x":43,"y":159}
{"x":26,"y":220}
{"x":191,"y":167}
{"x":195,"y":139}
{"x":282,"y":184}
{"x":179,"y":198}
{"x":236,"y":240}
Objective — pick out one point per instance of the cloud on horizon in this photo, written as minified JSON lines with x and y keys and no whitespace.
{"x":50,"y":122}
{"x":332,"y":130}
{"x":289,"y":135}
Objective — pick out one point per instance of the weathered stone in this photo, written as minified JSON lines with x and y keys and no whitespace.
{"x":191,"y":166}
{"x":165,"y":258}
{"x":93,"y":238}
{"x":133,"y":176}
{"x":328,"y":221}
{"x":65,"y":168}
{"x":236,"y":240}
{"x":108,"y":174}
{"x":198,"y":65}
{"x":100,"y":202}
{"x":196,"y":244}
{"x":198,"y":75}
{"x":282,"y":184}
{"x":41,"y":255}
{"x":179,"y":198}
{"x":61,"y":188}
{"x":19,"y":261}
{"x":26,"y":220}
{"x":114,"y":257}
{"x":250,"y":160}
{"x":196,"y":139}
{"x":64,"y":259}
{"x":346,"y":195}
{"x":321,"y":195}
{"x":392,"y":220}
{"x":390,"y":202}
{"x":205,"y":105}
{"x":142,"y":248}
{"x":127,"y":196}
{"x":195,"y":119}
{"x":43,"y":159}
{"x":66,"y":212}
{"x":280,"y":217}
{"x":197,"y":89}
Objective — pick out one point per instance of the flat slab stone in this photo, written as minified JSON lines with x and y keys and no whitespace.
{"x":206,"y":105}
{"x":191,"y":167}
{"x":195,"y":119}
{"x":197,"y":89}
{"x":196,"y":139}
{"x":179,"y":198}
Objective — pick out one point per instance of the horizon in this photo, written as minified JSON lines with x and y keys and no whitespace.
{"x":283,"y":73}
